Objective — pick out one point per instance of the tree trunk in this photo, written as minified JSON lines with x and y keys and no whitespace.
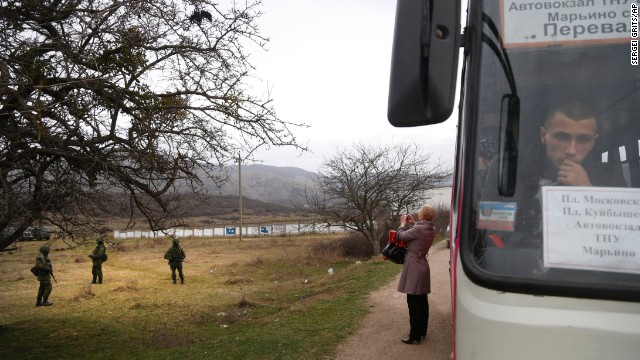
{"x":375,"y":244}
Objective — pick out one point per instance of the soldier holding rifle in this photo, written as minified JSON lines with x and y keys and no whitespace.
{"x":44,"y":270}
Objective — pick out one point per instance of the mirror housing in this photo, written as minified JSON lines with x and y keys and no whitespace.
{"x":424,"y":62}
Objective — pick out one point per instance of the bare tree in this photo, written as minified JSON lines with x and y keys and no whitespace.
{"x":110,"y":105}
{"x":367,"y":185}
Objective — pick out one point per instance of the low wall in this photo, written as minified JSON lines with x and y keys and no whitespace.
{"x":232,"y":230}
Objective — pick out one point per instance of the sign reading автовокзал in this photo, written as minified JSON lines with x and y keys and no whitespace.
{"x":528,"y":23}
{"x":591,"y":228}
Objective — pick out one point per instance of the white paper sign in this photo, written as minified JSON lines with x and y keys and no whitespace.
{"x":591,"y":228}
{"x":542,"y":23}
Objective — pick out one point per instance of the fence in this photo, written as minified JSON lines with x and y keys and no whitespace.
{"x":232,"y":230}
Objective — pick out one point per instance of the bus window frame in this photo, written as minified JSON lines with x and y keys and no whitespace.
{"x":465,"y":206}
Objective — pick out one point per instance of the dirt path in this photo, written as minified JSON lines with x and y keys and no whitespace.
{"x":380,"y":332}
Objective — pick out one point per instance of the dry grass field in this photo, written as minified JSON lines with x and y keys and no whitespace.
{"x":260,"y":298}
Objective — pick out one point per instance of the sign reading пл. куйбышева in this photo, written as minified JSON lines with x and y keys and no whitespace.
{"x":591,"y":228}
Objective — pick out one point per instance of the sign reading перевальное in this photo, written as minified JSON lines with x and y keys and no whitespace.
{"x":527,"y":23}
{"x":591,"y":228}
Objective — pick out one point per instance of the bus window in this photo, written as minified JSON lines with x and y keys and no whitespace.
{"x":572,"y":217}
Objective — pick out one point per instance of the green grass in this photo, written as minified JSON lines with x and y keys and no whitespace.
{"x":265,"y":298}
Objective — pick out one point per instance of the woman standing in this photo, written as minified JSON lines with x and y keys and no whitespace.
{"x":415,"y":280}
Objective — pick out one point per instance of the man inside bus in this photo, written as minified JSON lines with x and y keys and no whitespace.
{"x":567,"y":136}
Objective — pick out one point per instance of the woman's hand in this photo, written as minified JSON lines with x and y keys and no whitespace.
{"x":406,"y":218}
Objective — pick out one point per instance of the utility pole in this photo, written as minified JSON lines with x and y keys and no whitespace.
{"x":240,"y":191}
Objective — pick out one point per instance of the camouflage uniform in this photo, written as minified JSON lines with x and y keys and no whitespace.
{"x":96,"y":258}
{"x":45,"y":269}
{"x":175,"y":255}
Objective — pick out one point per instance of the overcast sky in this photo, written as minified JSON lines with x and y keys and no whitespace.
{"x":327,"y":65}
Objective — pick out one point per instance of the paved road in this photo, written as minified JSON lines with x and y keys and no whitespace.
{"x":380,"y":332}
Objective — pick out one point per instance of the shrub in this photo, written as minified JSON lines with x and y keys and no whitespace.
{"x":356,"y":245}
{"x":442,"y":219}
{"x":324,"y":250}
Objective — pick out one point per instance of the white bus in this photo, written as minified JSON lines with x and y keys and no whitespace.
{"x":545,"y":208}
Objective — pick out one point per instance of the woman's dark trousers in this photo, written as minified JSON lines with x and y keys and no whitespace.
{"x":418,"y":315}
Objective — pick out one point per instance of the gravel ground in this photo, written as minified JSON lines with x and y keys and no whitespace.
{"x":380,"y":332}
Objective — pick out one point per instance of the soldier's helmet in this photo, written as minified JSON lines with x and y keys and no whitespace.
{"x":176,"y":240}
{"x":44,"y":249}
{"x":100,"y":240}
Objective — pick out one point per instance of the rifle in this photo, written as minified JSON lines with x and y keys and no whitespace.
{"x":41,"y":271}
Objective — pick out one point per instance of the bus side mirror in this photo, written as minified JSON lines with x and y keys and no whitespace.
{"x":424,"y":62}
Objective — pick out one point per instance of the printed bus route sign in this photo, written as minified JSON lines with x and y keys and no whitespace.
{"x":526,"y":23}
{"x":591,"y":228}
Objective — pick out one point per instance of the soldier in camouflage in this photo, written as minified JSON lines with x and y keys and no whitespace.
{"x":97,"y":258}
{"x":175,"y":255}
{"x":44,"y":269}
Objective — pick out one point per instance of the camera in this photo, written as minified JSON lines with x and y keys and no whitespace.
{"x":410,"y":219}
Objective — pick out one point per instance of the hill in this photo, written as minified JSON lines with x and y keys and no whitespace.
{"x":268,"y":192}
{"x":283,"y":186}
{"x":202,"y":210}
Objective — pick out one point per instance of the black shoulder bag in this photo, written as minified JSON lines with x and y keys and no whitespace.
{"x":394,"y":251}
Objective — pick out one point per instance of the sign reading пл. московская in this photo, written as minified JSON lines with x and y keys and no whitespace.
{"x":591,"y":228}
